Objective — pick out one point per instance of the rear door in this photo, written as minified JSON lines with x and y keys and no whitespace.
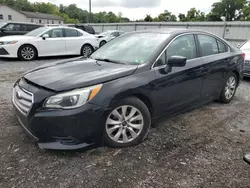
{"x":216,"y":57}
{"x":54,"y":45}
{"x":182,"y":86}
{"x":73,"y":40}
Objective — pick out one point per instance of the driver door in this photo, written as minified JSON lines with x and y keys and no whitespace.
{"x":182,"y":86}
{"x":54,"y":45}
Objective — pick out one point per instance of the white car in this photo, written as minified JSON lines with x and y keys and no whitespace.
{"x":48,"y":41}
{"x":107,"y":36}
{"x":245,"y":48}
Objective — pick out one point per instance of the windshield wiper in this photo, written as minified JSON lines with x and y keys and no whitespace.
{"x":109,"y":61}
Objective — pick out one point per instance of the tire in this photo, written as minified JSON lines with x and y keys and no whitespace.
{"x":27,"y":53}
{"x":117,"y":128}
{"x":102,"y":43}
{"x":229,"y":88}
{"x":87,"y":50}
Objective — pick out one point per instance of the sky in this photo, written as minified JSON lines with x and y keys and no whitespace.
{"x":137,"y":9}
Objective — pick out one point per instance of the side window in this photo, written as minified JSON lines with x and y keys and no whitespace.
{"x":208,"y":45}
{"x":79,"y":33}
{"x":55,"y":33}
{"x":12,"y":27}
{"x":115,"y":34}
{"x":222,"y":47}
{"x":183,"y":46}
{"x":71,"y":33}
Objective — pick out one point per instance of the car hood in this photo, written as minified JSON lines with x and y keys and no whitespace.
{"x":77,"y":73}
{"x":16,"y":37}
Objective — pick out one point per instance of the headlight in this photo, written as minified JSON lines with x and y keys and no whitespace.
{"x":72,"y":99}
{"x":8,"y":42}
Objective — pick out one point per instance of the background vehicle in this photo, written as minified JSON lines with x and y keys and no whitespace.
{"x":245,"y":48}
{"x":48,"y":41}
{"x":87,"y":28}
{"x":124,"y":86}
{"x":16,"y":28}
{"x":108,"y":36}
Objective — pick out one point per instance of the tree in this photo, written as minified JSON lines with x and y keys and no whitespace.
{"x":148,"y":18}
{"x":230,"y":9}
{"x":167,"y":16}
{"x":182,"y":17}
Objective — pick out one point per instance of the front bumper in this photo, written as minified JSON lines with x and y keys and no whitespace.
{"x":8,"y":51}
{"x":62,"y":129}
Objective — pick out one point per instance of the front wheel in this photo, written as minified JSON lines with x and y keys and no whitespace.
{"x":229,"y":89}
{"x":127,"y":124}
{"x":87,"y":50}
{"x":27,"y":53}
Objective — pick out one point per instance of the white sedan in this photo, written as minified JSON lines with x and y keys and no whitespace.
{"x":48,"y":41}
{"x":108,"y":36}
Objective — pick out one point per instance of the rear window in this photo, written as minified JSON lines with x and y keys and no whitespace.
{"x":222,"y":47}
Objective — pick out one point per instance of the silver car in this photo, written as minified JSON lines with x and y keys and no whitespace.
{"x":107,"y":36}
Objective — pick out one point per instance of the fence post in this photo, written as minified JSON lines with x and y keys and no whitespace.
{"x":224,"y":31}
{"x":102,"y":27}
{"x":135,"y":27}
{"x":116,"y":26}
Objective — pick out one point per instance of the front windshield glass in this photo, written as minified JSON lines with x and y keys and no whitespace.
{"x":246,"y":46}
{"x":2,"y":24}
{"x":134,"y":48}
{"x":37,"y":32}
{"x":105,"y":33}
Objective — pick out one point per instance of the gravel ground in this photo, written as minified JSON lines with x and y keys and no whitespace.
{"x":201,"y":148}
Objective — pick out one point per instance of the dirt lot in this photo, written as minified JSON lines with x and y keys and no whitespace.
{"x":202,"y":148}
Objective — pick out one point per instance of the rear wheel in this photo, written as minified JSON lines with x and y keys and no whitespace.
{"x":102,"y":43}
{"x":229,"y":88}
{"x":27,"y":53}
{"x":87,"y":50}
{"x":127,"y":124}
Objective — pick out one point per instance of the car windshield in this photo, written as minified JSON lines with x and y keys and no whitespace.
{"x":246,"y":46}
{"x":134,"y":48}
{"x":37,"y":32}
{"x":105,"y":33}
{"x":2,"y":24}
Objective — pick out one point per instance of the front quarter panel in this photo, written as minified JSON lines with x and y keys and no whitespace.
{"x":136,"y":84}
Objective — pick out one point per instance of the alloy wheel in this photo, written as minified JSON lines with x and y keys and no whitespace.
{"x":87,"y":51}
{"x":230,"y":87}
{"x":27,"y":53}
{"x":124,"y":124}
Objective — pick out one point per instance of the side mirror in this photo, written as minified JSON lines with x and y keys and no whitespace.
{"x":45,"y":36}
{"x":177,"y":61}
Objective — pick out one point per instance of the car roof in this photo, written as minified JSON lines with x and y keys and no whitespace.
{"x":169,"y":31}
{"x":13,"y":22}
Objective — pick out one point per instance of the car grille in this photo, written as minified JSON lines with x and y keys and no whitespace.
{"x":247,"y":62}
{"x":22,"y":99}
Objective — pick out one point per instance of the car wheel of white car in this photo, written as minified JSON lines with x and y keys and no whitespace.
{"x":102,"y":43}
{"x":27,"y":53}
{"x":87,"y":50}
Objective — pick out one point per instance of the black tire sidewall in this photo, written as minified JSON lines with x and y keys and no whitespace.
{"x":20,"y":55}
{"x":223,"y":98}
{"x":102,"y":43}
{"x":137,"y":103}
{"x":87,"y":45}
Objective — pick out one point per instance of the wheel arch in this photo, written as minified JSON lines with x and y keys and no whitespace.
{"x":27,"y":44}
{"x":86,"y":44}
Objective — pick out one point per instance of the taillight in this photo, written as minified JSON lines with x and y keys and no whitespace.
{"x":243,"y":55}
